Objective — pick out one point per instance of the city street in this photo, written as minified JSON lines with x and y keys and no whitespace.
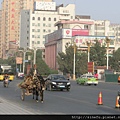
{"x":79,"y":100}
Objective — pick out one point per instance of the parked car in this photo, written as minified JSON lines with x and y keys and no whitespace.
{"x":87,"y":79}
{"x":57,"y":81}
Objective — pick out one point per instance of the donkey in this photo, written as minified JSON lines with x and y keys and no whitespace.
{"x":38,"y":87}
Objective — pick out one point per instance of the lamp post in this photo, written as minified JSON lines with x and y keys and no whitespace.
{"x":88,"y":44}
{"x":35,"y":49}
{"x":24,"y":54}
{"x":107,"y":40}
{"x":74,"y":47}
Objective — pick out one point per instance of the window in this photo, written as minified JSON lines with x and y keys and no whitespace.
{"x":44,"y":30}
{"x":43,"y":25}
{"x":32,"y":42}
{"x":44,"y":19}
{"x":54,"y":19}
{"x":33,"y":18}
{"x":33,"y":30}
{"x":38,"y":42}
{"x":85,"y":26}
{"x":49,"y":19}
{"x":38,"y":18}
{"x":43,"y":42}
{"x":33,"y":24}
{"x":38,"y":24}
{"x":33,"y":36}
{"x":38,"y":30}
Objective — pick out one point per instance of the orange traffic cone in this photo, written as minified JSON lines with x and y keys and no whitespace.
{"x":100,"y":99}
{"x":117,"y":105}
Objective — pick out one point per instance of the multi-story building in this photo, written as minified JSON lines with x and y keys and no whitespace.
{"x":10,"y":24}
{"x":40,"y":22}
{"x":79,"y":31}
{"x":0,"y":35}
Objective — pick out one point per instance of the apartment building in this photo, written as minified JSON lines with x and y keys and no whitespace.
{"x":40,"y":22}
{"x":10,"y":25}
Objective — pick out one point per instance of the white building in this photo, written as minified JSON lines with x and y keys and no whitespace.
{"x":40,"y":22}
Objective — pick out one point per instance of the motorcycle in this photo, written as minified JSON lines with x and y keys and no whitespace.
{"x":6,"y":82}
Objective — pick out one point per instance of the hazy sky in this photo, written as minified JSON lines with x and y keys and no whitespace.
{"x":97,"y":9}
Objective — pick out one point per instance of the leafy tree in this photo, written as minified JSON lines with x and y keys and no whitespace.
{"x":65,"y":61}
{"x":114,"y":61}
{"x":98,"y":54}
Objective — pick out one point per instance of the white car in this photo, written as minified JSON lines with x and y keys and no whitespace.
{"x":20,"y":75}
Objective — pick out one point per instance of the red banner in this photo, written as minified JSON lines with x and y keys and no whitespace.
{"x":91,"y":67}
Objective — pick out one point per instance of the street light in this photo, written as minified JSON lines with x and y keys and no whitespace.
{"x":24,"y":54}
{"x":107,"y":40}
{"x":88,"y":44}
{"x":74,"y":47}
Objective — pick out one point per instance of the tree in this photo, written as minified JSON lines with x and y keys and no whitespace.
{"x":114,"y":61}
{"x":65,"y":61}
{"x":98,"y":54}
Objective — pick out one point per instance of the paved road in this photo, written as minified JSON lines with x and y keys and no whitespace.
{"x":80,"y":100}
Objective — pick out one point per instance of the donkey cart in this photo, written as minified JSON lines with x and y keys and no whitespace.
{"x":34,"y":88}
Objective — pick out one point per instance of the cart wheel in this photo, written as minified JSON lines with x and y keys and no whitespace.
{"x":23,"y":94}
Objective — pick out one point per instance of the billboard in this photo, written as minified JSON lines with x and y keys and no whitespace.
{"x":18,"y":60}
{"x":81,"y":40}
{"x":91,"y":67}
{"x":45,"y":6}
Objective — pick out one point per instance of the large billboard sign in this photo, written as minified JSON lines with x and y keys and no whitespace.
{"x":45,"y":6}
{"x":81,"y":40}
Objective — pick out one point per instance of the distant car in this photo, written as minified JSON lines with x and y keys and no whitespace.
{"x":20,"y":75}
{"x":57,"y":82}
{"x":87,"y":79}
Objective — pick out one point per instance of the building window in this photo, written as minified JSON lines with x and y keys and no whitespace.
{"x":38,"y":36}
{"x":85,"y":26}
{"x":33,"y":18}
{"x":43,"y":42}
{"x":33,"y":30}
{"x":54,"y":19}
{"x":38,"y":42}
{"x":49,"y":19}
{"x":38,"y":24}
{"x":38,"y":30}
{"x":44,"y":30}
{"x":44,"y":19}
{"x":32,"y":42}
{"x":38,"y":18}
{"x":44,"y":25}
{"x":33,"y":36}
{"x":33,"y":24}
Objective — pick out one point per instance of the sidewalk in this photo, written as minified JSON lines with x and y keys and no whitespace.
{"x":8,"y":108}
